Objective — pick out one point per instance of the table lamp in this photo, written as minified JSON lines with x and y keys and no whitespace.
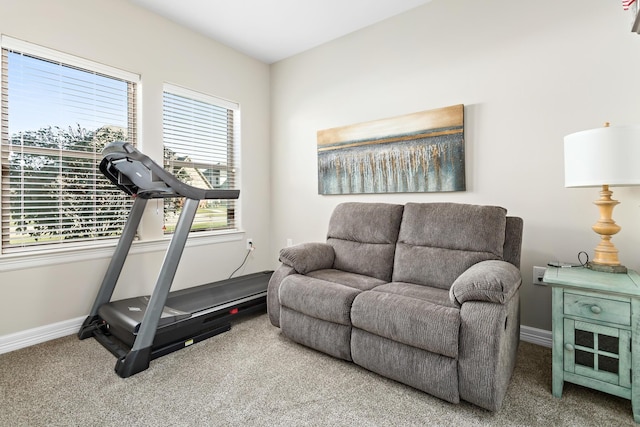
{"x":606,"y":157}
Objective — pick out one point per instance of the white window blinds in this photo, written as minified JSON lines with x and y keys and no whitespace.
{"x":57,"y":115}
{"x":199,"y":148}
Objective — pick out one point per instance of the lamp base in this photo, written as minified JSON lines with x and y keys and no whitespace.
{"x":605,"y":254}
{"x":619,"y":269}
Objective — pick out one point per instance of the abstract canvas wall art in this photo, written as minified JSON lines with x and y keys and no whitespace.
{"x":418,"y":152}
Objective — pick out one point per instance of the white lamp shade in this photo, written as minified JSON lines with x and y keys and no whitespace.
{"x":603,"y":156}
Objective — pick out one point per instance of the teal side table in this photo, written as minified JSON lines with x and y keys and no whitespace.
{"x":595,"y":331}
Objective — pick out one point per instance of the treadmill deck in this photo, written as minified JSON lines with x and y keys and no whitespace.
{"x":127,"y":314}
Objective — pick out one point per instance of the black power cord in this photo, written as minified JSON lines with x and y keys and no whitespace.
{"x":585,"y":263}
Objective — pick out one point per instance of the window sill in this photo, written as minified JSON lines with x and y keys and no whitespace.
{"x":63,"y":256}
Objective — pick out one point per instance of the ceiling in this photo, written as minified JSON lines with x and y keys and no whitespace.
{"x":271,"y":30}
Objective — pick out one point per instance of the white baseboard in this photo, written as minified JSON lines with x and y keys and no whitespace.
{"x":39,"y":335}
{"x":536,"y":336}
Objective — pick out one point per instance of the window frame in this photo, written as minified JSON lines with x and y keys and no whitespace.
{"x":133,"y":131}
{"x":191,"y":94}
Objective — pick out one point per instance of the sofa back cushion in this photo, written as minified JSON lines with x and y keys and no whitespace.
{"x":439,"y":241}
{"x":364,"y":237}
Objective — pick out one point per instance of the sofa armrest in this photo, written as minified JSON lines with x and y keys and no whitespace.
{"x":491,"y":281}
{"x":307,"y":257}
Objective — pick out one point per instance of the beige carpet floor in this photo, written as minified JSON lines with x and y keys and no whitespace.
{"x":253,"y":376}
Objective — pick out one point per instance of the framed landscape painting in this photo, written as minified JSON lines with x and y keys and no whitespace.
{"x":418,"y":152}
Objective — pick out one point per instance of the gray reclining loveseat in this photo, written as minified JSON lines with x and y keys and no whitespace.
{"x":426,"y":294}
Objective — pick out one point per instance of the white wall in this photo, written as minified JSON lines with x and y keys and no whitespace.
{"x":529,"y":73}
{"x":119,"y":34}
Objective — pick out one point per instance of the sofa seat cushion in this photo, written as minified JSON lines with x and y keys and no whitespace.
{"x":318,"y":298}
{"x":424,"y":293}
{"x":352,"y":280}
{"x":416,"y":322}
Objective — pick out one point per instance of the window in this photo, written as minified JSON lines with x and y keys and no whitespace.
{"x":58,"y":112}
{"x":199,"y":142}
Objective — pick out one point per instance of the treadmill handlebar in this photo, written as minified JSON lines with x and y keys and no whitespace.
{"x":136,"y":174}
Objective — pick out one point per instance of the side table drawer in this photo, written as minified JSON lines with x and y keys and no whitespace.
{"x":602,"y":309}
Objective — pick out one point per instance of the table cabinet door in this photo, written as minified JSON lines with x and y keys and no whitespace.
{"x":599,"y":352}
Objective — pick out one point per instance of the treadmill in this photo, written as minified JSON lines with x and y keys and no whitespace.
{"x":138,"y":330}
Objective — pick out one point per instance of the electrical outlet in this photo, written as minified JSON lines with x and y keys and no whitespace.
{"x":289,"y":242}
{"x":249,"y":244}
{"x":538,"y":275}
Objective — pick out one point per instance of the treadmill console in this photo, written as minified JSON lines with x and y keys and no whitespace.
{"x":136,"y":174}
